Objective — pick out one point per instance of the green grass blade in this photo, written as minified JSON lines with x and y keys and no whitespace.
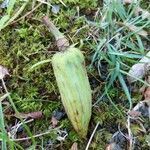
{"x":102,"y":41}
{"x":15,"y":15}
{"x":138,"y":79}
{"x":140,"y":44}
{"x":114,"y":105}
{"x":125,"y":88}
{"x":10,"y":6}
{"x":126,"y":54}
{"x":17,"y":112}
{"x":2,"y":128}
{"x":3,"y":20}
{"x":39,"y":64}
{"x":114,"y":74}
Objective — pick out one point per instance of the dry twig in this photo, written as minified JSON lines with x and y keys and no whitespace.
{"x":92,"y":136}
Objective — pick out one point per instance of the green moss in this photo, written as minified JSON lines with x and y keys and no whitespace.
{"x":144,"y":4}
{"x":101,"y":138}
{"x":80,"y":3}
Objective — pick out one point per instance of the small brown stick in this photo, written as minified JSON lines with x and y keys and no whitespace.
{"x":87,"y":147}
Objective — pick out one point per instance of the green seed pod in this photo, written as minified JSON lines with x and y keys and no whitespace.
{"x":74,"y":87}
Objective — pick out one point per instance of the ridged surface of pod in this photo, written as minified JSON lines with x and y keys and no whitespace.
{"x":74,"y":87}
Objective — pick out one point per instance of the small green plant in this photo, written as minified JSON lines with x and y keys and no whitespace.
{"x":115,"y":46}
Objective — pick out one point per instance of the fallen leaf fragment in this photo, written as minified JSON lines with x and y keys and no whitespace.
{"x":33,"y":115}
{"x":140,"y":69}
{"x":74,"y":146}
{"x":136,"y":71}
{"x":3,"y":72}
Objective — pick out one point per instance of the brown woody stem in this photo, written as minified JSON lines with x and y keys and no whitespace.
{"x":62,"y":42}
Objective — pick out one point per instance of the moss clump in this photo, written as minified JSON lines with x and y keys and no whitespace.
{"x":81,"y":3}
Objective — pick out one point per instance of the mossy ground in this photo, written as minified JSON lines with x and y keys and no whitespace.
{"x":27,"y":42}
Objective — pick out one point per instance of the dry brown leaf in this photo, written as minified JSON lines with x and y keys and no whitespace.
{"x":74,"y":146}
{"x":140,"y":69}
{"x":54,"y":122}
{"x":3,"y":72}
{"x":33,"y":115}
